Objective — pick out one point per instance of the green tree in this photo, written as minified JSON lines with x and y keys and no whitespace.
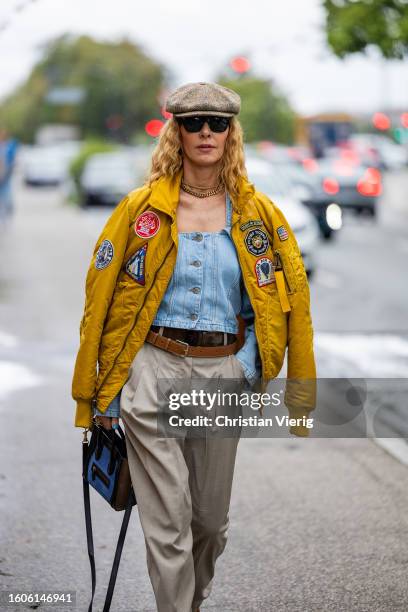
{"x":354,"y":25}
{"x":119,"y":82}
{"x":265,"y":112}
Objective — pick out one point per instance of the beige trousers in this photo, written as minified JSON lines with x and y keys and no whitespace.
{"x":182,"y":484}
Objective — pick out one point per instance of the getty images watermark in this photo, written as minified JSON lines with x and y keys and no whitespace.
{"x":223,"y":399}
{"x":324,"y":408}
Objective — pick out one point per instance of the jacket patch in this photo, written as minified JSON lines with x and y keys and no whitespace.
{"x":147,"y":224}
{"x":104,"y":255}
{"x":256,"y":242}
{"x":135,"y":266}
{"x":250,"y":223}
{"x":282,"y":232}
{"x":264,"y":271}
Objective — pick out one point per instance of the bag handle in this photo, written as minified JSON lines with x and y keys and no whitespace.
{"x":118,"y":554}
{"x":89,"y":534}
{"x":88,"y":518}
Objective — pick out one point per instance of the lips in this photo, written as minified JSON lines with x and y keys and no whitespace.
{"x":205,"y":147}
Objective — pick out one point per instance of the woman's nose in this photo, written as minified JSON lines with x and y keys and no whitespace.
{"x":205,"y":130}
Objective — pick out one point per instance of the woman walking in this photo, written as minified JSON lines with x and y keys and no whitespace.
{"x":181,"y":260}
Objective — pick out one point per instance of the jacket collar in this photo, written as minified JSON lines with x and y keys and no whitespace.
{"x":165,"y":194}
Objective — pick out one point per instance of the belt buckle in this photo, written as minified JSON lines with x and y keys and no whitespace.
{"x":186,"y":345}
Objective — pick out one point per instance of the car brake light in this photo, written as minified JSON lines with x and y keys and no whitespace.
{"x":331,"y":186}
{"x":373,"y":174}
{"x":310,"y":164}
{"x":370,"y":184}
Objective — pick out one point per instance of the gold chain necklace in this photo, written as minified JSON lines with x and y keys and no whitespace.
{"x":198,"y":192}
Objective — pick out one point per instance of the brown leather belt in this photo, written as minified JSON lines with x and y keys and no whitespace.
{"x":193,"y":343}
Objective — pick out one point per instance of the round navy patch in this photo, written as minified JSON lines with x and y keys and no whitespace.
{"x":104,"y":255}
{"x":257,"y":242}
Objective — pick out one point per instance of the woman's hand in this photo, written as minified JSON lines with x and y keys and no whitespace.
{"x":107,"y":422}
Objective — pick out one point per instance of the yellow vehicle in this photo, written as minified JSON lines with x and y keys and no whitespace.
{"x":322,"y":131}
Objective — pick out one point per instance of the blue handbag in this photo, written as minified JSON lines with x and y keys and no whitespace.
{"x":105,"y":467}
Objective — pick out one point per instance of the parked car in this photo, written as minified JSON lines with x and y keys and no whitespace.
{"x":304,"y":185}
{"x":48,"y":165}
{"x":273,"y":183}
{"x":351,"y":185}
{"x":389,"y":154}
{"x":108,"y":177}
{"x":307,"y":188}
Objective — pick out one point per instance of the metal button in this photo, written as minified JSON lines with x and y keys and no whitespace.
{"x":196,"y":263}
{"x":193,"y":317}
{"x":195,"y":289}
{"x":198,"y":237}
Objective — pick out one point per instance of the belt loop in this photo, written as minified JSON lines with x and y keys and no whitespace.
{"x":161,"y":330}
{"x":225,"y":338}
{"x":167,"y":342}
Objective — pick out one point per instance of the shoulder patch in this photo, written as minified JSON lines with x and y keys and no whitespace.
{"x":282,"y":232}
{"x":264,"y":271}
{"x":257,"y":242}
{"x":250,"y":223}
{"x":135,"y":266}
{"x":147,"y":224}
{"x":104,"y":255}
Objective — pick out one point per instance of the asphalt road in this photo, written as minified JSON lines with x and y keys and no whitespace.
{"x":316,"y":524}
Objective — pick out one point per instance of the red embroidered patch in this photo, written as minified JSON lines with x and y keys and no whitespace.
{"x":147,"y":224}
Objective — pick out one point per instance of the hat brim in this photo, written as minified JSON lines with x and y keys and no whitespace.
{"x":200,"y":113}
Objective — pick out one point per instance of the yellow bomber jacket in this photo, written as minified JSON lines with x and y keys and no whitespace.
{"x":132,"y":264}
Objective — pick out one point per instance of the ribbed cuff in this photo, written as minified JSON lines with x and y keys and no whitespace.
{"x":299,"y":430}
{"x":83,"y":416}
{"x":298,"y":413}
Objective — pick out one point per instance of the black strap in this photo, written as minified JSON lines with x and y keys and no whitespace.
{"x":88,"y":521}
{"x":118,"y":554}
{"x":89,"y":536}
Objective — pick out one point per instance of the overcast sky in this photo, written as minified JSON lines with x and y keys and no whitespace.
{"x":283,"y":39}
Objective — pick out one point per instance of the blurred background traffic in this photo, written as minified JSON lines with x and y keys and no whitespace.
{"x":85,"y":115}
{"x":324,"y":88}
{"x":325,"y":119}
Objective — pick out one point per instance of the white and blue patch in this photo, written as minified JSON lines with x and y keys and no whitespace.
{"x":104,"y":255}
{"x":135,"y":266}
{"x":264,"y":271}
{"x":282,"y":233}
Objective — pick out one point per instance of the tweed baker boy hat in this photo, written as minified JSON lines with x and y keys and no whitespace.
{"x":203,"y":99}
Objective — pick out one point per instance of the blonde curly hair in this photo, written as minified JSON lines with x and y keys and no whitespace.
{"x":167,"y":157}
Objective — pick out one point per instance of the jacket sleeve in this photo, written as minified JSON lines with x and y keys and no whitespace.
{"x":100,"y":284}
{"x":300,"y":393}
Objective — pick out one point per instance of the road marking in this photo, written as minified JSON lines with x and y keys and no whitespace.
{"x":7,"y":340}
{"x":368,"y":355}
{"x":396,"y":447}
{"x":14,"y":377}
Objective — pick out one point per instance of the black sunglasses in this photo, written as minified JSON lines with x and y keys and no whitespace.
{"x":194,"y":124}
